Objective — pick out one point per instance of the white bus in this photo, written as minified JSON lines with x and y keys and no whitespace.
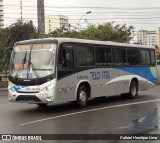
{"x":56,"y":70}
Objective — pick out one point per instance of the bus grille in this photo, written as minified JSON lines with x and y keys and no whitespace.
{"x":28,"y":98}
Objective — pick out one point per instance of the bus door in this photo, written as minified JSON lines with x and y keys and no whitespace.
{"x":65,"y":70}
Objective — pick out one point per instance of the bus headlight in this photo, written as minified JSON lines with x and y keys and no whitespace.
{"x":11,"y":89}
{"x":49,"y":87}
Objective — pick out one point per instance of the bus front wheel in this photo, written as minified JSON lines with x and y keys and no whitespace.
{"x":82,"y":97}
{"x":133,"y":91}
{"x":42,"y":105}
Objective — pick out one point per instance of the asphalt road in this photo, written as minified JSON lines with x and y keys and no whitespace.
{"x":111,"y":115}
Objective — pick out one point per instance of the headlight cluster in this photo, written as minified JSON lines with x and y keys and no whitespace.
{"x":11,"y":89}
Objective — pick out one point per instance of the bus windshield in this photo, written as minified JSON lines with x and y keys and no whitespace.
{"x":31,"y":61}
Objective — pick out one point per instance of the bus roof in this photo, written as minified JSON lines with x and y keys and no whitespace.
{"x":74,"y":40}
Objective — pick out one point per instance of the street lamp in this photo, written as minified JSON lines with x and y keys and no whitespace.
{"x":88,"y":12}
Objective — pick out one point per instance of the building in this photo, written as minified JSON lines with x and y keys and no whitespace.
{"x":151,"y":38}
{"x":145,"y":37}
{"x":53,"y":22}
{"x":139,"y":37}
{"x":158,"y":37}
{"x":12,"y":11}
{"x":1,"y":14}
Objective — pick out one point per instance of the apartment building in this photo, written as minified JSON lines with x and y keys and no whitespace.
{"x":1,"y":14}
{"x":53,"y":22}
{"x":145,"y":37}
{"x":12,"y":11}
{"x":158,"y":37}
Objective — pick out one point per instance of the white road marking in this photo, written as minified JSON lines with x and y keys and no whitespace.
{"x":80,"y":112}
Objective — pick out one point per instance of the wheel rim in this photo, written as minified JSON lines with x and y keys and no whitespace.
{"x":133,"y":90}
{"x":83,"y":96}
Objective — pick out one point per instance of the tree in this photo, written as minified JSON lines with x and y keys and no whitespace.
{"x":21,"y":31}
{"x":103,"y":32}
{"x":3,"y":43}
{"x":16,"y":32}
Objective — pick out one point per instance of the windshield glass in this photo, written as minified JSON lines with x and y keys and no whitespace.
{"x":33,"y":61}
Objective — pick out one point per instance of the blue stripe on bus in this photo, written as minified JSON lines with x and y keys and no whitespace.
{"x":148,"y":73}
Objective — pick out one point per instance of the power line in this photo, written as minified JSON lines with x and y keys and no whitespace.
{"x":75,"y":7}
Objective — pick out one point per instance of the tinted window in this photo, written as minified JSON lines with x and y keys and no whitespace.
{"x":123,"y":53}
{"x":152,"y":55}
{"x":144,"y":57}
{"x":116,"y":56}
{"x":84,"y":55}
{"x":133,"y":57}
{"x":103,"y":56}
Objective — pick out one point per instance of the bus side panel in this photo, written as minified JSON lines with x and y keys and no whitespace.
{"x":105,"y":81}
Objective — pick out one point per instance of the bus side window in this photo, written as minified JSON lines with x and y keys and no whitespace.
{"x":67,"y":59}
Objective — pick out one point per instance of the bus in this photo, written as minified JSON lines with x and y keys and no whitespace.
{"x":58,"y":70}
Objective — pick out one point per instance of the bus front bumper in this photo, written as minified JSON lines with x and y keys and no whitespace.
{"x":32,"y":98}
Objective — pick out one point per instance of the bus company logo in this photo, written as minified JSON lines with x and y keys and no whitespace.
{"x":100,"y":75}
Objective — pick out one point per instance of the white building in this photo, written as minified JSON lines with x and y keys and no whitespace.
{"x":13,"y":10}
{"x":158,"y":37}
{"x":53,"y":22}
{"x":145,"y":37}
{"x":151,"y":38}
{"x":1,"y":14}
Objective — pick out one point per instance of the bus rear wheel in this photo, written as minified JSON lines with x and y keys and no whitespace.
{"x":133,"y":91}
{"x":82,"y":97}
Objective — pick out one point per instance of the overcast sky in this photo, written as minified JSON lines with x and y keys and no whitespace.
{"x":142,"y":14}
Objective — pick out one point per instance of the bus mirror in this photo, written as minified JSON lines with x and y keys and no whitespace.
{"x":7,"y":50}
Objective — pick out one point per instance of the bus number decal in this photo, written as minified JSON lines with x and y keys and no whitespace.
{"x":100,"y":75}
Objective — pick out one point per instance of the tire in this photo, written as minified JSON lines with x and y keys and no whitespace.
{"x":42,"y":105}
{"x":133,"y":91}
{"x":82,"y":97}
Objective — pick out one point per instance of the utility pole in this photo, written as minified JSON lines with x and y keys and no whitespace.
{"x":21,"y":10}
{"x":40,"y":12}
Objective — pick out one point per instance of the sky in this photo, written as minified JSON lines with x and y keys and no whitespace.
{"x":142,"y":14}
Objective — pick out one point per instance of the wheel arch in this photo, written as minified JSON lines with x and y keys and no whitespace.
{"x":136,"y":80}
{"x":86,"y":84}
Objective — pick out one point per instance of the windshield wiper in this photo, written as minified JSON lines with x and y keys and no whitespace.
{"x":34,"y":70}
{"x":24,"y":60}
{"x":30,"y":64}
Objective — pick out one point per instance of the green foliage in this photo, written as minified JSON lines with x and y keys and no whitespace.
{"x":26,"y":30}
{"x":16,"y":32}
{"x":21,"y":31}
{"x":104,"y":32}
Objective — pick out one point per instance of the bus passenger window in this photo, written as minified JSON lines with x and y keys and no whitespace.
{"x":116,"y":56}
{"x":133,"y":57}
{"x":84,"y":55}
{"x":67,"y":59}
{"x":103,"y":56}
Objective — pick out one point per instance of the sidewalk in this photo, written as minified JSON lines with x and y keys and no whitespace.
{"x":3,"y":89}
